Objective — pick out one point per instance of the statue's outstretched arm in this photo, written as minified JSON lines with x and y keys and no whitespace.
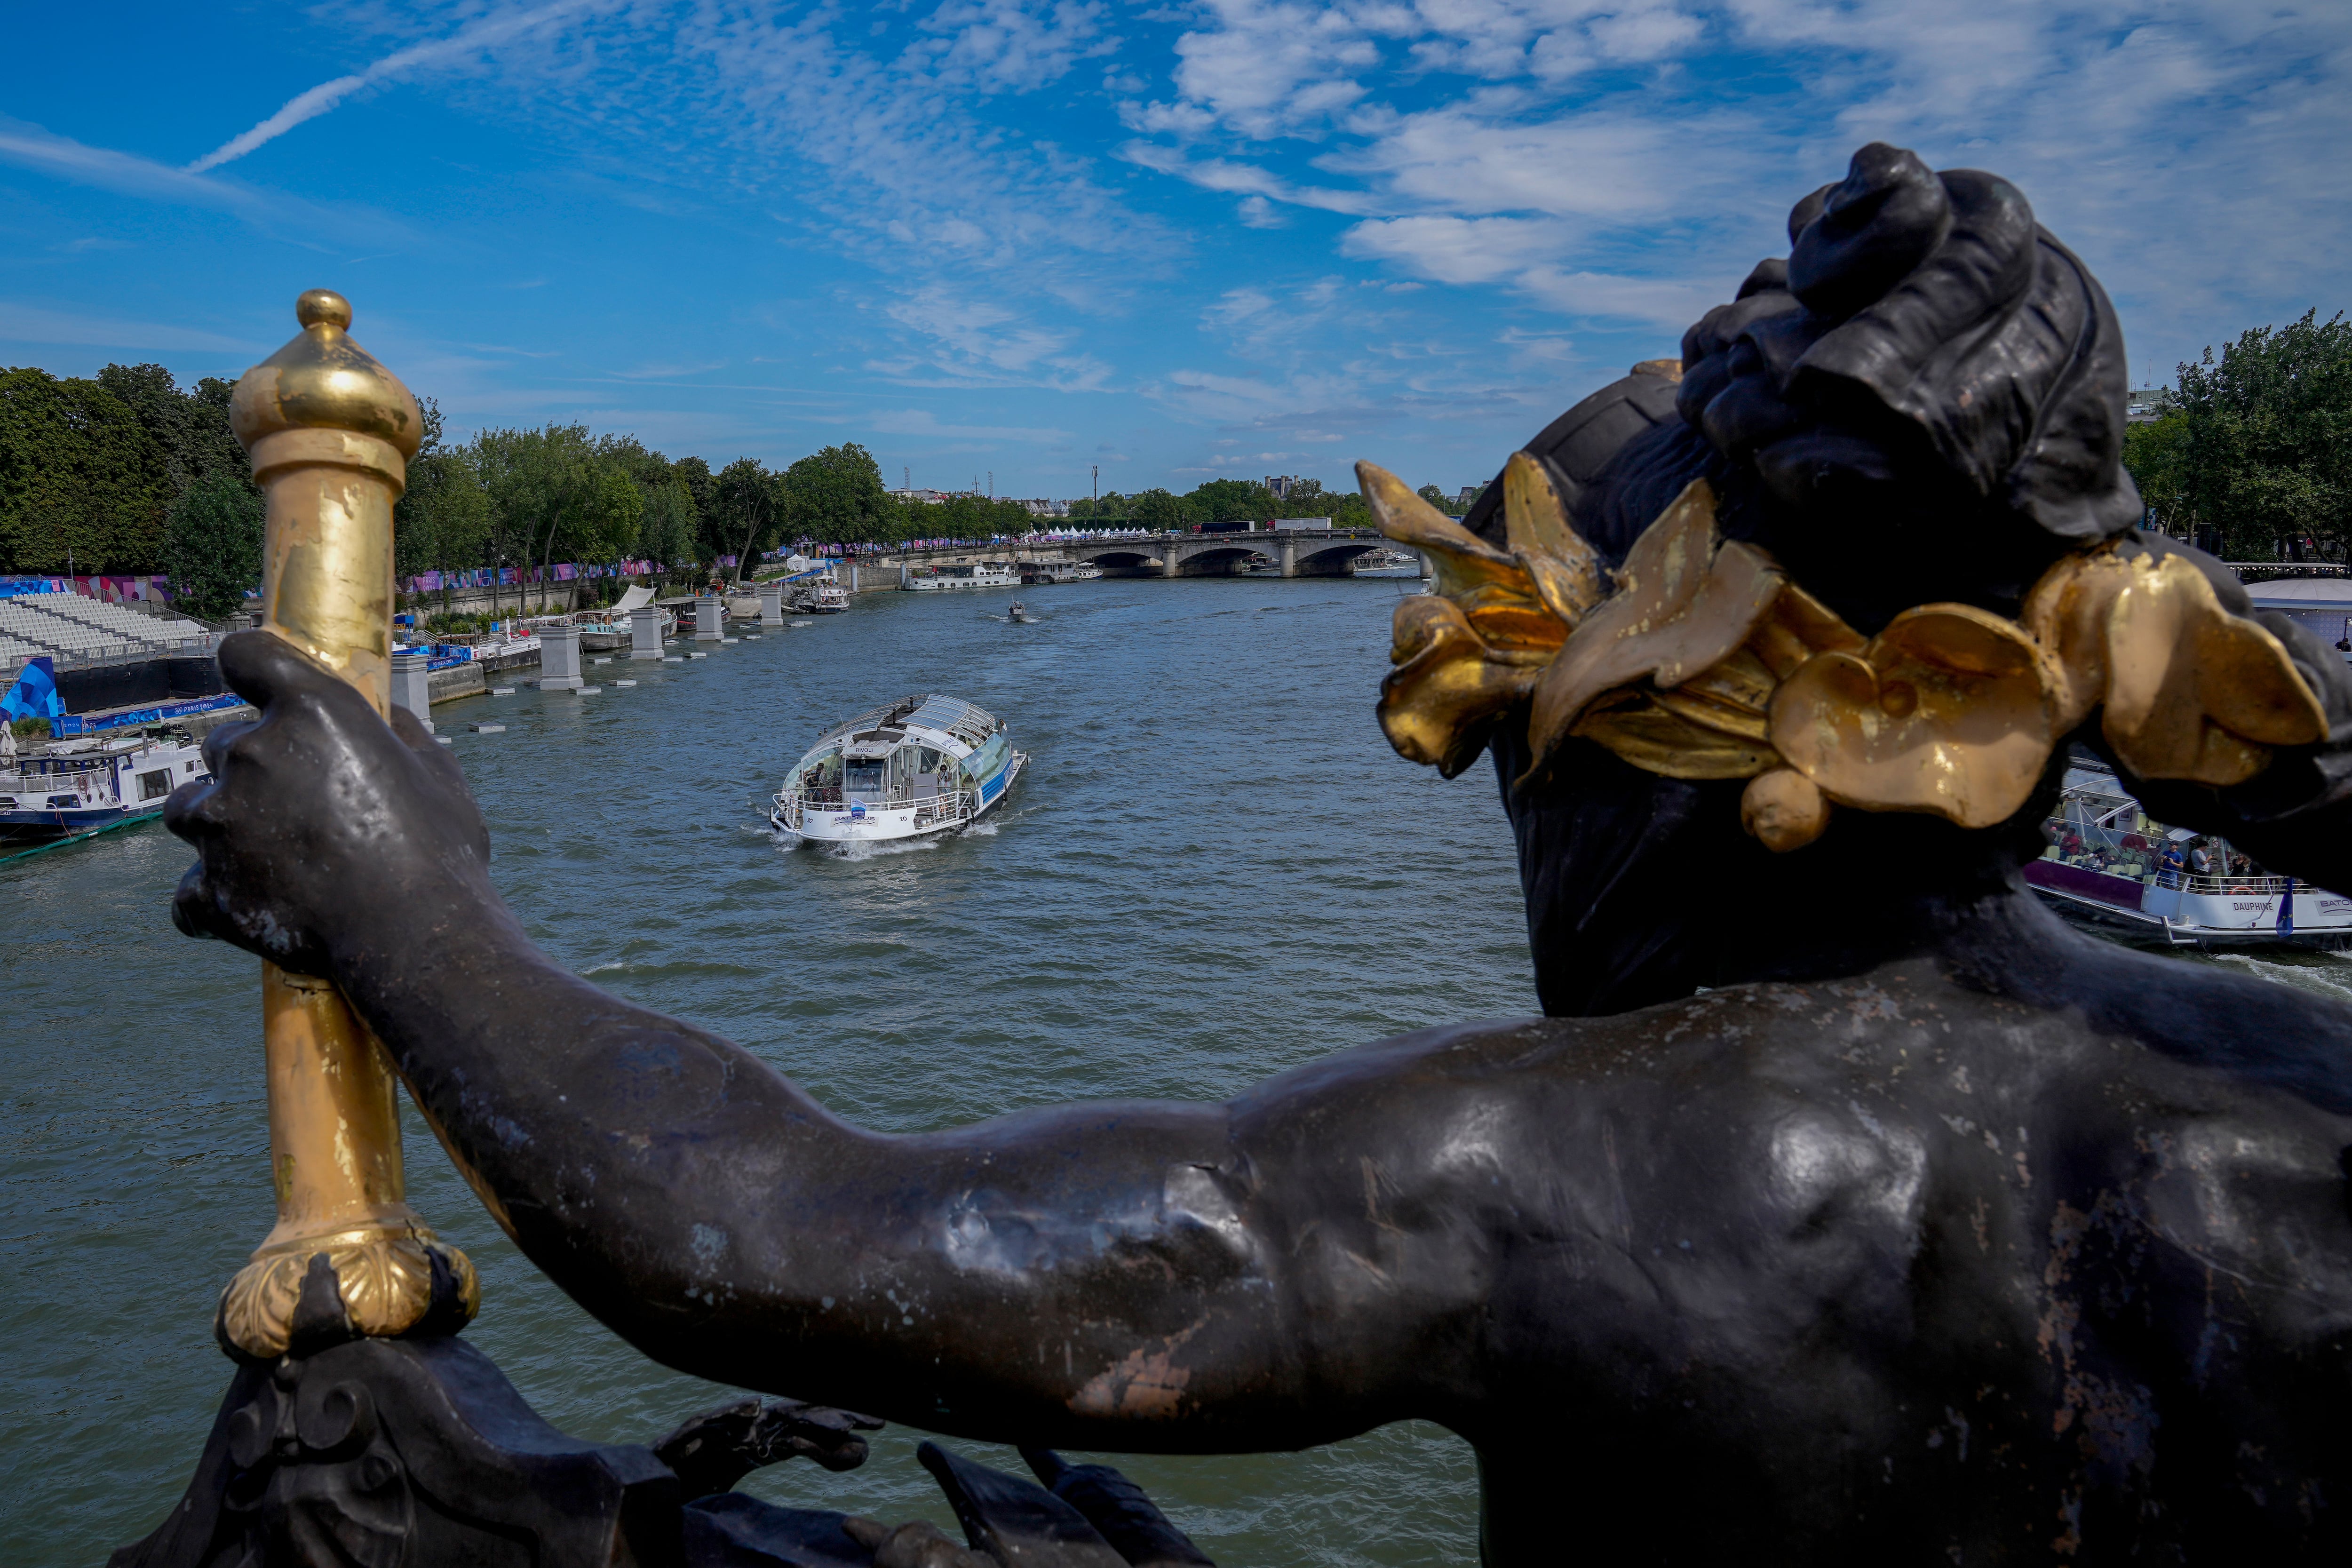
{"x":1112,"y":1275}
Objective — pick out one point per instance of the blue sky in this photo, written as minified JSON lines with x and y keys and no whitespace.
{"x":1177,"y":241}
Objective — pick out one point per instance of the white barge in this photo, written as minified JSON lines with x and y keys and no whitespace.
{"x":924,"y":766}
{"x":2108,"y":861}
{"x":79,"y":786}
{"x":944,"y":579}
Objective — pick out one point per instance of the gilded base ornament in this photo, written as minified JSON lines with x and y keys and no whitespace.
{"x":389,"y":1284}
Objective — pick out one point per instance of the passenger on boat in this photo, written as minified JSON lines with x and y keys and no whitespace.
{"x":2170,"y":867}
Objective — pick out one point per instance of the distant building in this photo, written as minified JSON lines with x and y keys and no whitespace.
{"x":1041,"y":506}
{"x":1469,"y":493}
{"x":928,"y":497}
{"x":1281,"y":485}
{"x":2146,"y":404}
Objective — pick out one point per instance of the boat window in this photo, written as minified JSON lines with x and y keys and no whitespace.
{"x":158,"y":782}
{"x":865,"y":775}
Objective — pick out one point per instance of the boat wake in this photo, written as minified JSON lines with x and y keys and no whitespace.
{"x":2303,"y":976}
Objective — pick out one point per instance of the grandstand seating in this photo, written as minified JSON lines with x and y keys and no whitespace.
{"x":70,"y":625}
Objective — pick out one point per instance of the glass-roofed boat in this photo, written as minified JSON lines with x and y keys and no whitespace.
{"x":927,"y":765}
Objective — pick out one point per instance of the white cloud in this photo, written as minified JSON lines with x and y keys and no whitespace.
{"x":126,"y":173}
{"x":1462,"y":250}
{"x":923,"y":422}
{"x":483,"y":33}
{"x":32,"y":324}
{"x":1256,"y":212}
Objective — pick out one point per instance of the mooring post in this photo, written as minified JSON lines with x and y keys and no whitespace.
{"x":412,"y":685}
{"x":708,"y":610}
{"x":772,"y":604}
{"x":330,"y":432}
{"x":645,"y":632}
{"x":558,"y":658}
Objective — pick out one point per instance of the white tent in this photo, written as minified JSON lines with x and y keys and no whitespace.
{"x":797,"y":562}
{"x":633,"y":599}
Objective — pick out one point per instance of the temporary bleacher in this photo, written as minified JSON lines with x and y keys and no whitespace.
{"x":72,"y":627}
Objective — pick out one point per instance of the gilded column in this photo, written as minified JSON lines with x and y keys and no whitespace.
{"x":330,"y":432}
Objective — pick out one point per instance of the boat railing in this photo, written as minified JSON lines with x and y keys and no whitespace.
{"x":793,"y":804}
{"x":2222,"y":886}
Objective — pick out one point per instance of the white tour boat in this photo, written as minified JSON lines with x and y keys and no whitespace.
{"x":75,"y":786}
{"x":818,"y":596}
{"x":2107,"y":862}
{"x":923,"y":766}
{"x":941,"y":579}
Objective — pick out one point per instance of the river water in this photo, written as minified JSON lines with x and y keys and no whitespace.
{"x":1213,"y":869}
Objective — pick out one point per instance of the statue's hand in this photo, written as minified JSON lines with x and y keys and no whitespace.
{"x":322,"y":824}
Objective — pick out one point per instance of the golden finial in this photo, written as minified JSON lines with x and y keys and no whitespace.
{"x":323,"y":380}
{"x":330,"y":432}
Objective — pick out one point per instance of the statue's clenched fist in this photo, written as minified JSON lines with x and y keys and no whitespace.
{"x":323,"y":826}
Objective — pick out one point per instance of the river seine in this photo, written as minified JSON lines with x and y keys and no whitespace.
{"x":1213,"y":869}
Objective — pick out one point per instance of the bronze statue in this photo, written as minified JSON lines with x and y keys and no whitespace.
{"x":1898,"y":1223}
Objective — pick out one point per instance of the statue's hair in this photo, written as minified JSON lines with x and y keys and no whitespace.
{"x":1929,"y":392}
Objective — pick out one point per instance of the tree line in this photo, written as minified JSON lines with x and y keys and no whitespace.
{"x":128,"y":473}
{"x":2250,"y":458}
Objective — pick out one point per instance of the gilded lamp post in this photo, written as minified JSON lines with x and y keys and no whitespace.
{"x":330,"y":432}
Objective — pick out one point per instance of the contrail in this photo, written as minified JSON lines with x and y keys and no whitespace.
{"x":319,"y":99}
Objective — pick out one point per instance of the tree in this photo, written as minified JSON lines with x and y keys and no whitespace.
{"x":710,"y":525}
{"x":2156,"y":453}
{"x":1233,"y":500}
{"x":1436,"y":498}
{"x":748,"y":498}
{"x":212,"y":545}
{"x":441,"y":522}
{"x":2262,"y":452}
{"x":83,"y":483}
{"x":667,"y":531}
{"x":190,"y":429}
{"x":1158,"y":509}
{"x":836,"y":495}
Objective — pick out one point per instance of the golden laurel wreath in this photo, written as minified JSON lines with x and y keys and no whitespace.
{"x":1699,"y":658}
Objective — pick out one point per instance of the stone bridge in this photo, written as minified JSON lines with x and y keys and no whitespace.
{"x":1298,"y":553}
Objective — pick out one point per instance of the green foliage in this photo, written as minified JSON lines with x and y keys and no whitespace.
{"x":1158,"y":509}
{"x":84,"y":484}
{"x":749,"y":498}
{"x":33,"y":729}
{"x":666,"y":531}
{"x":2157,"y":453}
{"x":212,"y":545}
{"x":960,"y":517}
{"x":1233,"y":500}
{"x":2259,"y":444}
{"x":553,"y":493}
{"x":90,"y":470}
{"x":836,"y":496}
{"x":1436,"y":498}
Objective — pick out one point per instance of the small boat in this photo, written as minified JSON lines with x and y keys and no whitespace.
{"x":1019,"y":616}
{"x":821,"y":597}
{"x":2106,"y":863}
{"x":78,"y":786}
{"x":928,"y":766}
{"x":943,"y":579}
{"x":1046,"y":574}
